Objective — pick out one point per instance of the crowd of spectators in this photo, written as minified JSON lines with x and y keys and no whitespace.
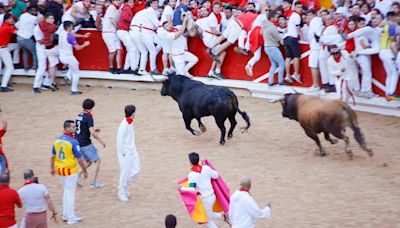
{"x":360,"y":28}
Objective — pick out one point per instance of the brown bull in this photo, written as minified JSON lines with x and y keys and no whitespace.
{"x":318,"y":115}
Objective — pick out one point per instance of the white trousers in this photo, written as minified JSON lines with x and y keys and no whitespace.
{"x":323,"y":67}
{"x":136,"y":40}
{"x":364,"y":61}
{"x":184,"y":62}
{"x":392,"y":75}
{"x":132,"y":55}
{"x":344,"y":89}
{"x":242,"y":38}
{"x":208,"y":203}
{"x":256,"y":57}
{"x":42,"y":65}
{"x":5,"y":57}
{"x":129,"y":168}
{"x":14,"y":47}
{"x":150,"y":40}
{"x":73,"y":70}
{"x":69,"y":185}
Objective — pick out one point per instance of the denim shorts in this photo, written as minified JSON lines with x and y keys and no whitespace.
{"x":2,"y":163}
{"x":90,"y":153}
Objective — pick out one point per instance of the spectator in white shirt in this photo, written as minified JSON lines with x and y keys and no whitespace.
{"x":243,"y":209}
{"x":36,"y":200}
{"x":292,"y":45}
{"x":109,"y":34}
{"x":316,"y":26}
{"x":166,"y":16}
{"x":25,"y":26}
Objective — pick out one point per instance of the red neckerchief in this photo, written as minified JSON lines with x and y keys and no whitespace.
{"x":117,"y":7}
{"x":244,"y":190}
{"x":174,"y":30}
{"x":28,"y":182}
{"x":129,"y":120}
{"x":69,"y":134}
{"x":197,"y":168}
{"x":219,"y":18}
{"x":337,"y":59}
{"x":88,"y":112}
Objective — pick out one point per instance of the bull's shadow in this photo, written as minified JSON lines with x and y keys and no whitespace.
{"x":196,"y":100}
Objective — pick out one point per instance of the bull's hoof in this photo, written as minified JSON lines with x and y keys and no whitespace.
{"x":196,"y":133}
{"x":334,"y":141}
{"x":222,"y":143}
{"x":349,"y":154}
{"x":370,"y":153}
{"x":203,"y":129}
{"x":230,"y":136}
{"x":322,"y":154}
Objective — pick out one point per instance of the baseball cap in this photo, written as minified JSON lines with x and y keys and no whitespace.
{"x":341,"y":10}
{"x":228,"y":6}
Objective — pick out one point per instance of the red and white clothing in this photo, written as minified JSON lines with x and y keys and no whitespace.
{"x":330,"y":36}
{"x":6,"y":31}
{"x":316,"y":27}
{"x":167,"y":13}
{"x":199,"y":179}
{"x":243,"y":210}
{"x":344,"y":81}
{"x":239,"y":27}
{"x":80,"y":9}
{"x":128,"y":156}
{"x":149,"y":25}
{"x":132,"y":56}
{"x":183,"y":59}
{"x":212,"y":21}
{"x":9,"y":198}
{"x":134,"y":33}
{"x":109,"y":30}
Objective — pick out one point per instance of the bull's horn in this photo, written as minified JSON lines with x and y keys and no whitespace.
{"x":163,"y":78}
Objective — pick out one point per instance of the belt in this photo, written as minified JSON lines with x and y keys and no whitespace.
{"x":34,"y":213}
{"x":50,"y":46}
{"x":210,"y":33}
{"x":239,"y":23}
{"x":178,"y":54}
{"x":108,"y":32}
{"x":149,"y":29}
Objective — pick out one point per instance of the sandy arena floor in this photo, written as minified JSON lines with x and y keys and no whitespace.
{"x":305,"y":190}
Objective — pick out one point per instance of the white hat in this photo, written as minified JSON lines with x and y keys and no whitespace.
{"x":341,"y":10}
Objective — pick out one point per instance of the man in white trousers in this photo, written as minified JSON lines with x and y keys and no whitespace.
{"x":128,"y":156}
{"x":200,"y":180}
{"x":243,"y":209}
{"x":41,"y":58}
{"x":132,"y":55}
{"x":148,"y":34}
{"x":67,"y":43}
{"x":109,"y":34}
{"x":6,"y":31}
{"x":134,"y":33}
{"x":65,"y":156}
{"x":183,"y":59}
{"x":167,"y":15}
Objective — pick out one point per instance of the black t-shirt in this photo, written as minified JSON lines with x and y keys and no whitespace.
{"x":83,"y":122}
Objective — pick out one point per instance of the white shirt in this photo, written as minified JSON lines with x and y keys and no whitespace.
{"x":293,"y":22}
{"x":137,"y":19}
{"x":168,"y":11}
{"x":1,"y":18}
{"x":335,"y":68}
{"x":178,"y":45}
{"x":203,"y":23}
{"x":64,"y":48}
{"x":202,"y":180}
{"x":316,"y":27}
{"x":25,"y":25}
{"x":243,"y":210}
{"x":373,"y":36}
{"x":259,"y":21}
{"x":126,"y":138}
{"x":32,"y":196}
{"x":38,"y":34}
{"x":384,"y":6}
{"x":213,"y":22}
{"x":149,"y":20}
{"x":331,"y":36}
{"x":111,"y":13}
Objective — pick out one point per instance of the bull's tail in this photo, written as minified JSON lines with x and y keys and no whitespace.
{"x":358,"y":135}
{"x":246,"y":118}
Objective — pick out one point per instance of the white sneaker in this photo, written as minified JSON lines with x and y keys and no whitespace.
{"x":75,"y":220}
{"x":288,"y":79}
{"x":314,"y":89}
{"x":249,"y":70}
{"x":165,"y":71}
{"x":123,"y":198}
{"x":143,"y":72}
{"x":296,"y":77}
{"x":96,"y":185}
{"x":79,"y":182}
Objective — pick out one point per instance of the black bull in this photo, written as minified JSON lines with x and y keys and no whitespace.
{"x":196,"y":100}
{"x":318,"y":115}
